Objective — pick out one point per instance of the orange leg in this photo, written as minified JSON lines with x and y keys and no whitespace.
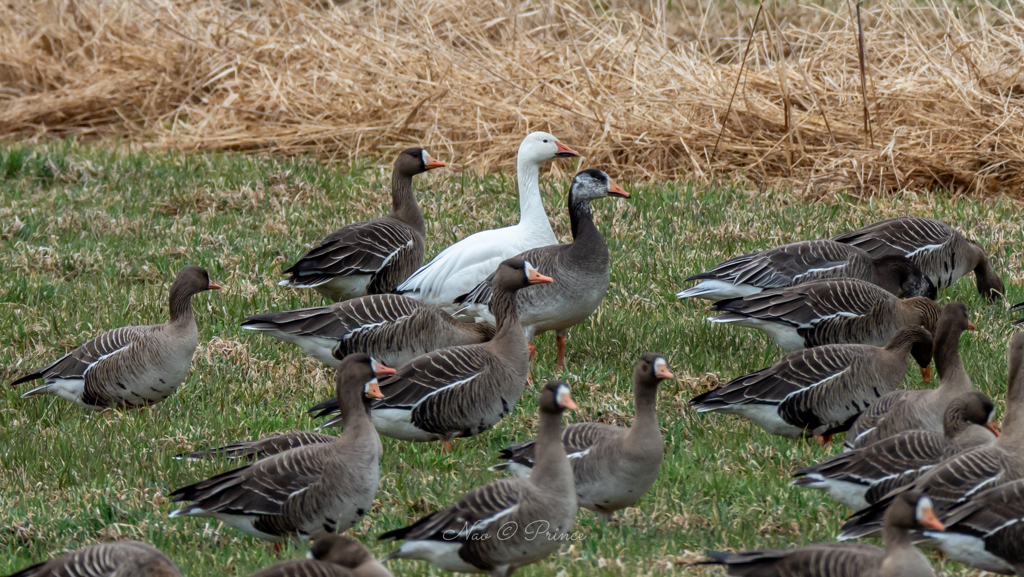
{"x":277,"y":549}
{"x":447,"y":447}
{"x":560,"y":341}
{"x":825,"y":440}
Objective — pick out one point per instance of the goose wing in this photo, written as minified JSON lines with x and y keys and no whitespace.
{"x":903,"y":235}
{"x":446,"y":372}
{"x":995,"y":516}
{"x":577,"y":438}
{"x":104,"y":560}
{"x":821,"y":560}
{"x":78,"y":362}
{"x":780,"y":266}
{"x":472,"y":515}
{"x":541,"y":258}
{"x":262,"y":448}
{"x":339,"y":320}
{"x":363,"y":248}
{"x":805,"y":305}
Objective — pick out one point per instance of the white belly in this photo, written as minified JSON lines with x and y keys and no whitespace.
{"x":717,"y":290}
{"x":397,"y":424}
{"x":847,"y":493}
{"x":442,"y":555}
{"x":969,"y":550}
{"x":764,"y":416}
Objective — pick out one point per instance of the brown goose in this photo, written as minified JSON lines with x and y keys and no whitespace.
{"x":804,"y":261}
{"x":130,"y":366}
{"x":581,"y":268}
{"x":909,"y":512}
{"x":861,"y":477}
{"x":331,"y":556}
{"x":819,"y":391}
{"x":117,"y":559}
{"x":613,"y":467}
{"x":987,"y":532}
{"x":937,"y":249}
{"x":509,"y":523}
{"x":374,"y":256}
{"x":957,"y":479}
{"x":828,"y":312}
{"x":391,"y":328}
{"x":459,"y":391}
{"x":901,"y":411}
{"x":307,"y":491}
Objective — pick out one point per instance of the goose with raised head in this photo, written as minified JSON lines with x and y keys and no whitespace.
{"x":581,"y":268}
{"x":130,"y":366}
{"x":910,"y":410}
{"x":939,"y":250}
{"x":374,"y":256}
{"x":463,"y":265}
{"x":116,"y":559}
{"x":390,"y":328}
{"x":307,"y":491}
{"x":957,"y":479}
{"x":863,"y":476}
{"x":613,"y":467}
{"x":465,"y":537}
{"x":804,"y":261}
{"x":828,"y":312}
{"x":331,"y":556}
{"x":910,"y":512}
{"x":459,"y":391}
{"x":820,"y":391}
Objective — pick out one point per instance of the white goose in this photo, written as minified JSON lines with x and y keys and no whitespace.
{"x":463,"y":265}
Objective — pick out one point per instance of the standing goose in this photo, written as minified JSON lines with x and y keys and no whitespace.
{"x":130,"y":366}
{"x":117,"y":559}
{"x":331,"y":556}
{"x":861,"y":477}
{"x":472,"y":535}
{"x":391,"y":328}
{"x":910,"y":512}
{"x":581,"y":268}
{"x":804,"y":261}
{"x":828,"y":312}
{"x":373,"y":256}
{"x":957,"y":479}
{"x":459,"y":391}
{"x":987,"y":532}
{"x":307,"y":491}
{"x":901,"y":411}
{"x":463,"y":265}
{"x":819,"y":391}
{"x":937,"y":249}
{"x":613,"y":467}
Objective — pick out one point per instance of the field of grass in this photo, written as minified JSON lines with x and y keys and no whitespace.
{"x":91,"y":239}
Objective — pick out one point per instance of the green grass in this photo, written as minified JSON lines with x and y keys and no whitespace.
{"x":91,"y":239}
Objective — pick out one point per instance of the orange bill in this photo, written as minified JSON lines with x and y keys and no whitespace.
{"x":533,"y":276}
{"x":213,"y":286}
{"x":432,"y":163}
{"x":926,"y":374}
{"x":565,"y":401}
{"x":380,"y":370}
{"x":616,"y":190}
{"x":373,"y":391}
{"x":971,"y":326}
{"x":929,"y":520}
{"x":564,"y":151}
{"x":992,"y":426}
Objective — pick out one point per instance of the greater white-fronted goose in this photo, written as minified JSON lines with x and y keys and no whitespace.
{"x":911,"y":410}
{"x":307,"y":491}
{"x":613,"y":467}
{"x":390,"y":328}
{"x":581,"y":268}
{"x":373,"y":256}
{"x":116,"y":559}
{"x":828,"y":312}
{"x":459,"y":391}
{"x":804,"y":261}
{"x":957,"y":479}
{"x":473,"y":535}
{"x":910,"y":512}
{"x":331,"y":556}
{"x":987,"y":531}
{"x":861,"y":477}
{"x":937,"y":249}
{"x":463,"y":265}
{"x":130,"y":366}
{"x":821,"y":390}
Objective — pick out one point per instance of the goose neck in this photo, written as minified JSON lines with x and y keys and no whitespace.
{"x":403,"y":202}
{"x":550,"y":462}
{"x":531,"y":208}
{"x":180,"y":305}
{"x":645,"y":406}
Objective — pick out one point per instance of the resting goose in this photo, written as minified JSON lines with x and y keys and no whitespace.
{"x":459,"y":391}
{"x":937,"y":249}
{"x":119,"y":558}
{"x":957,"y":479}
{"x":804,"y":261}
{"x":391,"y":328}
{"x":613,"y":467}
{"x":307,"y":491}
{"x":987,"y":532}
{"x":828,"y":312}
{"x":901,"y":411}
{"x":373,"y":256}
{"x":908,"y":513}
{"x":463,"y":265}
{"x":331,"y":556}
{"x":472,"y":536}
{"x":819,"y":391}
{"x":861,"y":477}
{"x":581,"y":268}
{"x":130,"y":366}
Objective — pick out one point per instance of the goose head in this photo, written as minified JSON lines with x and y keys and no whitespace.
{"x":556,"y":397}
{"x":540,"y":147}
{"x":651,"y":369}
{"x":912,"y":510}
{"x":357,"y":379}
{"x":972,"y":408}
{"x":412,"y":161}
{"x":590,"y":184}
{"x":339,"y":550}
{"x":517,"y":273}
{"x":192,"y":280}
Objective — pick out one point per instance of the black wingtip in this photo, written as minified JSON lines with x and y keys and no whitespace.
{"x":1017,"y":306}
{"x":26,"y":379}
{"x":323,"y":409}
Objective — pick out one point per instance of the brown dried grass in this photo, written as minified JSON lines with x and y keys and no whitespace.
{"x":639,"y":90}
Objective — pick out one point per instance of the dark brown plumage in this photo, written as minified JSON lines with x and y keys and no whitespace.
{"x":331,"y":556}
{"x":117,"y":559}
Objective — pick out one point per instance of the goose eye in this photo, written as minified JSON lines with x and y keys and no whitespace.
{"x":545,"y":141}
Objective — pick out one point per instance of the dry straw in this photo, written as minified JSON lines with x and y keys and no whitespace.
{"x":642,"y":89}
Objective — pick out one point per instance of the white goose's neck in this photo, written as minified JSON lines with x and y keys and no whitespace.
{"x":531,"y":208}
